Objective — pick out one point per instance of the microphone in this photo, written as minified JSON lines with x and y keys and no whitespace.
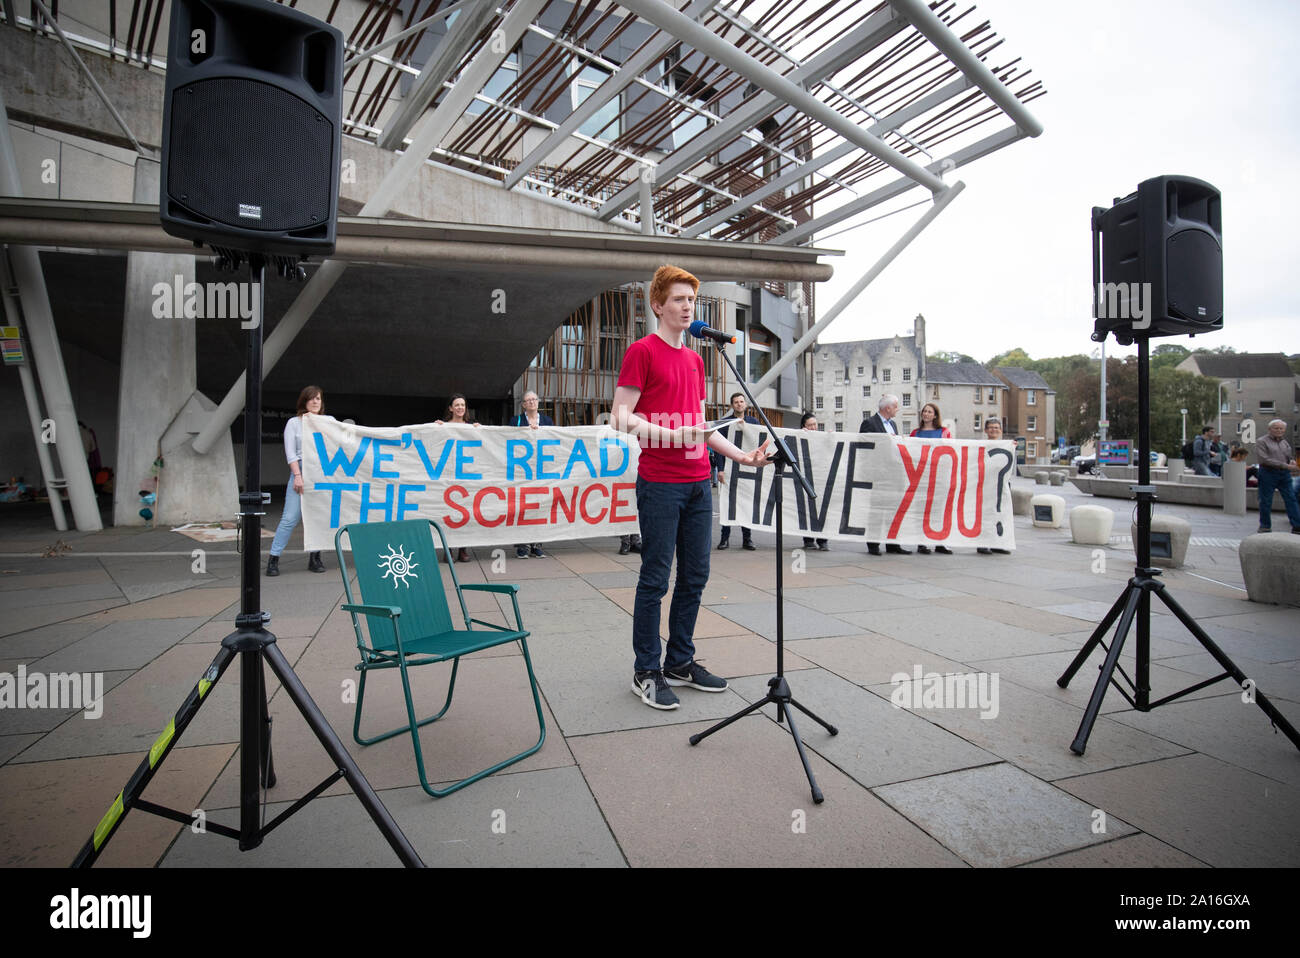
{"x":701,"y":330}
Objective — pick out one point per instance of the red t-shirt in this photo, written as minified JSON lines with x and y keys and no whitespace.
{"x":671,"y":381}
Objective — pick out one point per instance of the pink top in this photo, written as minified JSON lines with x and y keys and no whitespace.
{"x":671,"y":380}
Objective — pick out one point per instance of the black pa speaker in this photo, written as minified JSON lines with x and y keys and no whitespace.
{"x":252,"y":125}
{"x":1161,"y":261}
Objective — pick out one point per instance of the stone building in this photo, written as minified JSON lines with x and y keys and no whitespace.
{"x":849,"y":378}
{"x":1256,"y":386}
{"x":1030,"y":412}
{"x":967,"y":395}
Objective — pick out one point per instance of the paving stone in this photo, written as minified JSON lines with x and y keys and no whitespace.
{"x":953,"y":634}
{"x":877,"y":743}
{"x":1132,"y":851}
{"x":12,"y":745}
{"x":871,"y":659}
{"x":39,"y":642}
{"x":800,"y":622}
{"x":129,"y":644}
{"x":838,"y":599}
{"x":1212,"y":811}
{"x":740,"y":799}
{"x":998,"y":815}
{"x":14,"y":720}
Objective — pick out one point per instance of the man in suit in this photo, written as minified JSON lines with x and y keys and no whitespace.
{"x":738,"y":407}
{"x":883,"y":421}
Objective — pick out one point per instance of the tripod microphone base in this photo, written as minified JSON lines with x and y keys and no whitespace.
{"x":778,"y":694}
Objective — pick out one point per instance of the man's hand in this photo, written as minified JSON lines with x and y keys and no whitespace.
{"x":756,"y":457}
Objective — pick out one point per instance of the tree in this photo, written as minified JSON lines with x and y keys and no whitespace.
{"x":1012,"y":357}
{"x":1168,"y":354}
{"x":950,"y":357}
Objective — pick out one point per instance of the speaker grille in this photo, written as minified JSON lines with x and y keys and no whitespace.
{"x":243,"y":145}
{"x":1195,"y":277}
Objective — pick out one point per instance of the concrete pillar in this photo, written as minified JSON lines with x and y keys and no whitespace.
{"x":158,"y":406}
{"x":1176,"y":467}
{"x":1234,"y":488}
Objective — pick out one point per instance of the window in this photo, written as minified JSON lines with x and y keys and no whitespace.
{"x":759,"y":351}
{"x":496,"y":87}
{"x":1031,"y":398}
{"x":934,"y":392}
{"x":605,"y":121}
{"x":1033,"y":423}
{"x":839,"y":427}
{"x":885,"y":376}
{"x":1238,"y":385}
{"x":978,"y":394}
{"x":897,"y":348}
{"x":817,"y":403}
{"x":993,"y":396}
{"x":859,"y":370}
{"x":839,"y":377}
{"x":977,"y":420}
{"x":1031,"y":450}
{"x":817,"y":378}
{"x":1238,"y":405}
{"x":907,"y":374}
{"x":1225,"y":406}
{"x":907,"y":399}
{"x":1266,"y":405}
{"x":907,"y":426}
{"x":839,"y":402}
{"x":687,"y":124}
{"x":866,"y":391}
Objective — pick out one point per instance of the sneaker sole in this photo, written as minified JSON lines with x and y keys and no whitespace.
{"x":636,"y":690}
{"x":689,"y":684}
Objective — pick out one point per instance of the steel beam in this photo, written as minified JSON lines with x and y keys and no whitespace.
{"x":899,"y":186}
{"x":397,"y":38}
{"x":794,"y":175}
{"x":779,"y":90}
{"x":937,"y":32}
{"x":940,"y":204}
{"x":441,"y":65}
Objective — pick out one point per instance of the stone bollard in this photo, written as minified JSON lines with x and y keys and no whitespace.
{"x":1020,"y":501}
{"x":1234,"y":488}
{"x":1042,"y":478}
{"x":1057,"y":478}
{"x":1180,"y":533}
{"x":1047,"y":511}
{"x":1176,"y":467}
{"x":1091,"y":525}
{"x":1270,"y":564}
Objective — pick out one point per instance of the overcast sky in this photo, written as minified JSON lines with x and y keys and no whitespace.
{"x":1135,"y":89}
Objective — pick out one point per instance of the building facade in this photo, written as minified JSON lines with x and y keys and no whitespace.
{"x":849,"y":378}
{"x":1252,"y":386}
{"x":967,"y":395}
{"x":1030,"y":412}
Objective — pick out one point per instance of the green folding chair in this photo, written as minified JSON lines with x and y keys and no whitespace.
{"x":409,"y":622}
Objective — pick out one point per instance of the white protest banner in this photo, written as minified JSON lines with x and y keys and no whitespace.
{"x":485,"y":485}
{"x":875,"y":487}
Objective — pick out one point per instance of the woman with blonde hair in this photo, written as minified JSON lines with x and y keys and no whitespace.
{"x":310,"y":400}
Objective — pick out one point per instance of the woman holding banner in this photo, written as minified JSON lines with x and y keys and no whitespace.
{"x":457,"y":407}
{"x":310,"y":400}
{"x":932,"y":427}
{"x":809,"y":422}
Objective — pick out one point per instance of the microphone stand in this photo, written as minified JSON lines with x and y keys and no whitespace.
{"x":778,"y":689}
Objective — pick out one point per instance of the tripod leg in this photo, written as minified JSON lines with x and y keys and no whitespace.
{"x":817,"y":796}
{"x":695,"y":739}
{"x":1094,"y":639}
{"x":824,"y":724}
{"x":1228,"y":665}
{"x":1133,"y":599}
{"x":334,"y":748}
{"x":158,"y":753}
{"x":268,"y":766}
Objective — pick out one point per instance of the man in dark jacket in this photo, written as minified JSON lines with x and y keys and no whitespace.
{"x":883,"y":421}
{"x":738,"y":407}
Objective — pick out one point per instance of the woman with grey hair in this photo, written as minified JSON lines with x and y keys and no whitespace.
{"x":531,"y":418}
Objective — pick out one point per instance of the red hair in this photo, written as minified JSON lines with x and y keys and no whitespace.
{"x":665,"y":276}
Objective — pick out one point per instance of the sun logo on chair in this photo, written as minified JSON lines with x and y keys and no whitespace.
{"x":398,"y":564}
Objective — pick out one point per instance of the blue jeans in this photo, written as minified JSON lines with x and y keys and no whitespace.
{"x":676,"y":518}
{"x":288,"y":521}
{"x":1279,"y":479}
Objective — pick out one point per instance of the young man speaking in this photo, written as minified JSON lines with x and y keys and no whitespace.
{"x":660,"y":399}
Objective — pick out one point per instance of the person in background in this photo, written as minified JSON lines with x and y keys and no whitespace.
{"x":1252,"y":472}
{"x":1277,"y":466}
{"x":310,"y":400}
{"x":993,"y":432}
{"x":809,"y":422}
{"x":932,"y":427}
{"x":883,"y":421}
{"x":1203,"y":452}
{"x":532,"y":419}
{"x":457,"y":407}
{"x":738,"y":407}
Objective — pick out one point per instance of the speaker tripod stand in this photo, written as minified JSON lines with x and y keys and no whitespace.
{"x":1134,"y":606}
{"x":255,"y":647}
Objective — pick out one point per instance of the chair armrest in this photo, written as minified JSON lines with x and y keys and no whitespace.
{"x":502,"y":587}
{"x":386,"y":611}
